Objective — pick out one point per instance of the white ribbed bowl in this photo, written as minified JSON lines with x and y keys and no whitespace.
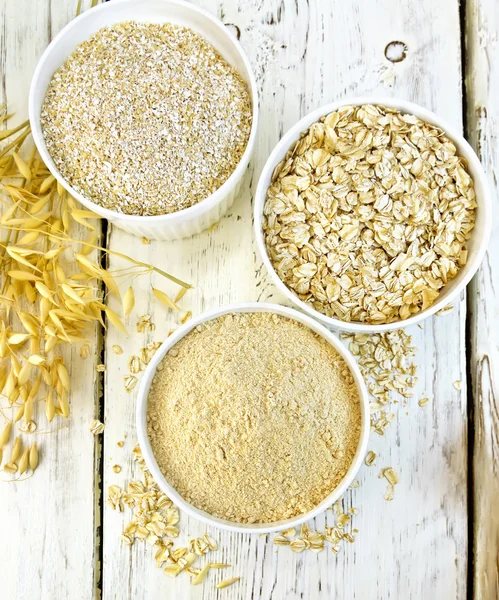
{"x":477,"y":244}
{"x":186,"y":222}
{"x":145,"y":444}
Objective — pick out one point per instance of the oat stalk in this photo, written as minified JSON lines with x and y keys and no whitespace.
{"x":46,"y":300}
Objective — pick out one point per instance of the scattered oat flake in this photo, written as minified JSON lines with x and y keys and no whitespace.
{"x":130,"y":382}
{"x":445,"y":310}
{"x":212,"y":544}
{"x":146,"y":241}
{"x":381,"y":422}
{"x":370,"y":458}
{"x":117,"y":349}
{"x":127,"y":539}
{"x":423,"y":401}
{"x":289,"y":533}
{"x":280,"y":540}
{"x":355,"y":484}
{"x":298,"y":545}
{"x":85,"y":351}
{"x":116,"y":468}
{"x":389,"y":492}
{"x":120,"y":444}
{"x":134,"y":364}
{"x":100,"y":368}
{"x":387,"y":365}
{"x":390,"y":475}
{"x":182,"y":292}
{"x":96,"y":427}
{"x":114,"y":497}
{"x":144,"y":324}
{"x":342,"y":521}
{"x":457,"y":384}
{"x":172,"y":570}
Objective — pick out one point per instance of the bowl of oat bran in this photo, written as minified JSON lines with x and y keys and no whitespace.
{"x":146,"y":112}
{"x":372,"y":214}
{"x":253,"y":417}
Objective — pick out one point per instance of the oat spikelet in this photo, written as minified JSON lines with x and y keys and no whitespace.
{"x":115,"y":320}
{"x":16,"y":450}
{"x":42,"y":305}
{"x":180,"y":294}
{"x":33,"y":457}
{"x":201,"y":576}
{"x":64,"y":404}
{"x":128,"y":302}
{"x":63,"y":376}
{"x":50,"y":407}
{"x":22,"y":166}
{"x":28,"y":410}
{"x":226,"y":582}
{"x":24,"y":461}
{"x":5,"y":436}
{"x":164,"y":299}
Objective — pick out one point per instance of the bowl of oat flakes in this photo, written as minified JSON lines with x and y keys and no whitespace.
{"x":146,"y":112}
{"x":253,"y":417}
{"x":372,"y":214}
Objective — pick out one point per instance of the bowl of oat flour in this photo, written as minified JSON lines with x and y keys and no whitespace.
{"x":253,"y":417}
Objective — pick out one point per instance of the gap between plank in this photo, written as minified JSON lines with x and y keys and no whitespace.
{"x":468,"y":333}
{"x":99,"y":444}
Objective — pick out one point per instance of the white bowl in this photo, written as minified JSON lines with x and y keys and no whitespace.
{"x":190,"y":220}
{"x":145,"y":444}
{"x":477,"y":245}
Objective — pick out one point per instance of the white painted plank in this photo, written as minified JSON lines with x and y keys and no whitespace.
{"x":47,"y":534}
{"x":482,"y":85}
{"x":306,"y":54}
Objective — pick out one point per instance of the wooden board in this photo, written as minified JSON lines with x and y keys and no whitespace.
{"x":47,"y":539}
{"x":482,"y":84}
{"x":304,"y":55}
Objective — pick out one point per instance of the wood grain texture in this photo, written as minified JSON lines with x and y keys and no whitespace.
{"x":482,"y":85}
{"x":47,"y":536}
{"x":306,"y":54}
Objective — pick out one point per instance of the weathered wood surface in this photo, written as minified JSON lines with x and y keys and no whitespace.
{"x":47,"y":535}
{"x":482,"y":85}
{"x":304,"y":54}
